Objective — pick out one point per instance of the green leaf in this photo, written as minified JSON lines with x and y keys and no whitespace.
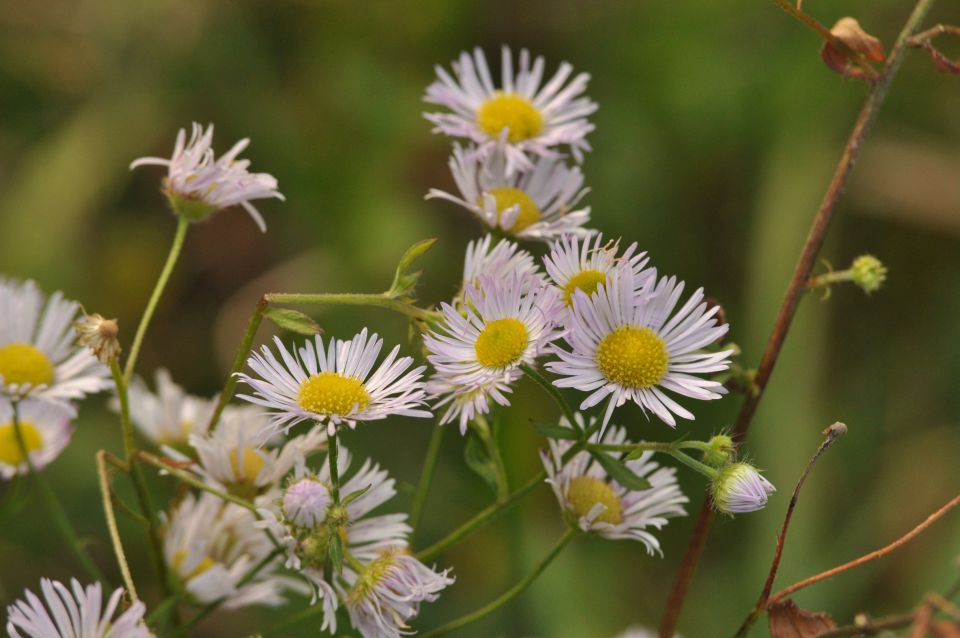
{"x":553,"y":431}
{"x":404,"y":281}
{"x":352,"y":496}
{"x":336,"y":553}
{"x":293,"y":320}
{"x":619,"y":472}
{"x":478,"y":459}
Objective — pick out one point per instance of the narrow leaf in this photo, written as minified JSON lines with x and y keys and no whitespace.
{"x":404,"y":280}
{"x":352,"y":496}
{"x":552,"y":431}
{"x":293,"y":320}
{"x":620,"y":472}
{"x":336,"y":553}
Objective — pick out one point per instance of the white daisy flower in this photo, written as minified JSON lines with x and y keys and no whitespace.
{"x":388,"y":592}
{"x":739,"y":488}
{"x":211,"y":545}
{"x":573,"y":265}
{"x":77,"y":612}
{"x":44,"y":428}
{"x":198,"y":184}
{"x":38,"y":356}
{"x":233,"y":458}
{"x":506,"y":322}
{"x":538,"y":204}
{"x":498,"y":262}
{"x":171,"y":416}
{"x":599,"y":504}
{"x":463,"y":402}
{"x":625,"y":345}
{"x":334,"y":385}
{"x":520,"y":117}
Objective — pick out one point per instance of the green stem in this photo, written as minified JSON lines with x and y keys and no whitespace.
{"x":333,"y":452}
{"x":692,"y":463}
{"x":508,"y":595}
{"x":490,"y":440}
{"x":172,"y":256}
{"x":189,"y":479}
{"x":246,"y":343}
{"x":380,"y":300}
{"x":125,"y":424}
{"x":153,"y":526}
{"x":112,"y":527}
{"x":53,"y":504}
{"x":550,"y":389}
{"x":426,"y":477}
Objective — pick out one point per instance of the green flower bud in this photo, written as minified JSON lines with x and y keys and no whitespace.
{"x":720,"y":452}
{"x":868,"y":272}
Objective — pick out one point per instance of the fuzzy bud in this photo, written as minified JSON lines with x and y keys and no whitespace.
{"x":305,"y":502}
{"x":868,"y":272}
{"x":100,"y":335}
{"x":740,"y":488}
{"x":720,"y":452}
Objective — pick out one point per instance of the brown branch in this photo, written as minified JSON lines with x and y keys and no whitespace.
{"x":832,"y":433}
{"x":924,"y":41}
{"x":866,"y":558}
{"x":801,"y":274}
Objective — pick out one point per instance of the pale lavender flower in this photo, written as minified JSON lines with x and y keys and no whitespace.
{"x":740,"y":488}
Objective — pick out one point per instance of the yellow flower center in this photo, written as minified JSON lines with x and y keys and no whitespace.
{"x":585,"y":491}
{"x":586,"y":280}
{"x":512,"y":112}
{"x":633,"y":357}
{"x":332,"y":393}
{"x":10,"y":451}
{"x":372,"y":575}
{"x":508,"y":196}
{"x":205,"y":564}
{"x":23,"y":363}
{"x":501,"y":343}
{"x":246,"y":465}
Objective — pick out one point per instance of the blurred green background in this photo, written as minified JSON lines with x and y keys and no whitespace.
{"x":717,"y":132}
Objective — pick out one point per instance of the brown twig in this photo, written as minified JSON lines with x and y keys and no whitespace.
{"x":788,"y":308}
{"x":832,"y":433}
{"x":924,"y":41}
{"x":866,"y":558}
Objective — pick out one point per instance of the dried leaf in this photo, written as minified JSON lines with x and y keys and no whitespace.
{"x":849,"y":32}
{"x":786,"y":620}
{"x":945,"y":629}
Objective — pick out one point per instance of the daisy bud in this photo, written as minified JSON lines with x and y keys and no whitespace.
{"x":305,"y":502}
{"x":100,"y":335}
{"x":740,"y":488}
{"x":868,"y":272}
{"x":720,"y":451}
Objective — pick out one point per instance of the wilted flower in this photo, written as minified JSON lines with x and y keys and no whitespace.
{"x":100,"y":335}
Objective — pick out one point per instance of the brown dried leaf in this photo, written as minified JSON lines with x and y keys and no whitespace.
{"x":786,"y":620}
{"x":945,"y":629}
{"x":849,"y":32}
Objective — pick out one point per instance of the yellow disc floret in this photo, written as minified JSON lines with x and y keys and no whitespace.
{"x":374,"y":573}
{"x":246,"y":465}
{"x":205,"y":563}
{"x":508,"y":196}
{"x":332,"y":393}
{"x":585,"y":492}
{"x":22,"y":363}
{"x":11,"y":453}
{"x":633,"y":357}
{"x":501,"y":343}
{"x":512,"y":112}
{"x":586,"y":280}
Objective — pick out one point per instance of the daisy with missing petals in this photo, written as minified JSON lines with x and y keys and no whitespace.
{"x":518,"y":118}
{"x":77,"y":612}
{"x":597,"y":503}
{"x":234,"y":459}
{"x":38,"y":356}
{"x":170,"y":416}
{"x":538,"y":204}
{"x":44,"y":430}
{"x":334,"y":385}
{"x":211,"y":545}
{"x":575,"y":266}
{"x":504,"y":259}
{"x":632,"y":346}
{"x":463,"y":402}
{"x":198,"y":184}
{"x":506,"y":322}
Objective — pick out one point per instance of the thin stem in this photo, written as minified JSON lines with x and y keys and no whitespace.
{"x":426,"y":477}
{"x":508,"y":595}
{"x":832,"y":433}
{"x":112,"y":526}
{"x":866,"y":558}
{"x":246,"y":343}
{"x":125,"y":425}
{"x":333,"y":452}
{"x":788,"y":308}
{"x":172,"y":257}
{"x":550,"y":389}
{"x":673,"y":449}
{"x":490,"y":440}
{"x":153,"y":527}
{"x":57,"y":513}
{"x":191,"y":480}
{"x":695,"y":465}
{"x":380,"y":300}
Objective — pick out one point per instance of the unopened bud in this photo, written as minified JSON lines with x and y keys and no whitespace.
{"x":305,"y":502}
{"x":100,"y":335}
{"x":868,"y":272}
{"x":740,"y":488}
{"x":720,"y":452}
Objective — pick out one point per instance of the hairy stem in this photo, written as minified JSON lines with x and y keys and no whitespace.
{"x":125,"y":425}
{"x":380,"y":300}
{"x":105,"y":494}
{"x":246,"y":343}
{"x":550,"y":389}
{"x":788,"y":308}
{"x":426,"y":477}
